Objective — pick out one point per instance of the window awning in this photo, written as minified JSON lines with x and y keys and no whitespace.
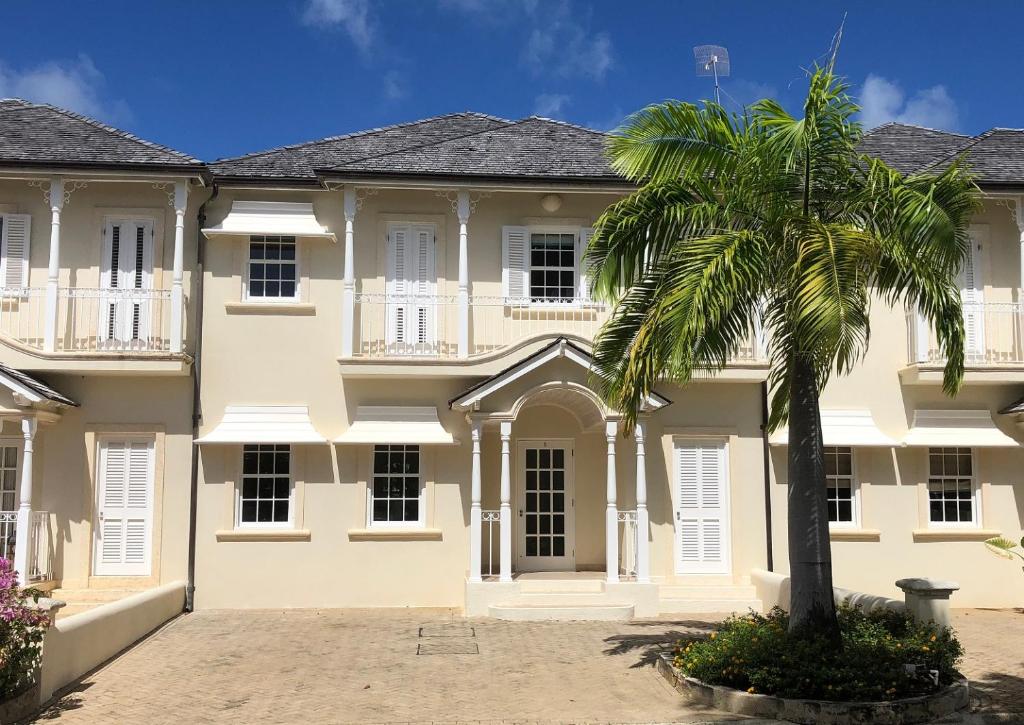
{"x":965,"y":428}
{"x":264,"y":424}
{"x":396,"y":424}
{"x":855,"y":428}
{"x":270,"y":217}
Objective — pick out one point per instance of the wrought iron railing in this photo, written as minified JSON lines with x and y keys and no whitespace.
{"x":627,"y":543}
{"x":492,"y":521}
{"x":40,"y":551}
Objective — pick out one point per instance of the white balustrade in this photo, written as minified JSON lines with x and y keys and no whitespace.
{"x":628,"y":543}
{"x":995,"y":335}
{"x":39,"y":537}
{"x":490,"y":520}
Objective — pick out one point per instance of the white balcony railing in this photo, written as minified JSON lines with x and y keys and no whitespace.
{"x":995,"y":335}
{"x":39,"y":551}
{"x":627,"y":543}
{"x":135,"y":321}
{"x":390,"y":326}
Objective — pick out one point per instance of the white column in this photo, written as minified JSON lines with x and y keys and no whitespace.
{"x":178,"y":273}
{"x":53,"y":269}
{"x":475,"y":526}
{"x":22,"y":542}
{"x":463,"y":210}
{"x":643,"y":520}
{"x":1019,"y":215}
{"x":611,"y":529}
{"x":348,"y":294}
{"x":505,"y":515}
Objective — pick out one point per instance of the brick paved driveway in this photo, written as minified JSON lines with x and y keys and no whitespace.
{"x":388,"y":666}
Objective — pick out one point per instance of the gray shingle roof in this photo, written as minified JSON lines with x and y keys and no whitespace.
{"x":908,"y":148}
{"x":996,"y":157}
{"x":42,"y":135}
{"x":299,"y":161}
{"x":461,"y":144}
{"x":35,"y":385}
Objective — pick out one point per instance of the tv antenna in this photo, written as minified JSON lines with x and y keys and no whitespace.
{"x":712,"y":60}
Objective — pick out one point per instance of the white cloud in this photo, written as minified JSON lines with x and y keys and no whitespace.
{"x":351,"y":15}
{"x":76,"y":85}
{"x":550,"y":104}
{"x":394,"y":86}
{"x":883,"y":100}
{"x":561,"y":44}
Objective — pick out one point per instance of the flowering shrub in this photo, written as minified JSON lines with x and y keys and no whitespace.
{"x":21,"y":634}
{"x":756,"y":653}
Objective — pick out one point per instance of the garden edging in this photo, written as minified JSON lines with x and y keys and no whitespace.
{"x":906,"y":711}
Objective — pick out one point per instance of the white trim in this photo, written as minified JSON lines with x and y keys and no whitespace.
{"x":846,"y":428}
{"x":855,"y":497}
{"x":265,"y":300}
{"x":263,"y":525}
{"x":976,"y":512}
{"x":19,"y":388}
{"x":123,"y":568}
{"x":411,"y":425}
{"x":956,"y":429}
{"x":243,"y":424}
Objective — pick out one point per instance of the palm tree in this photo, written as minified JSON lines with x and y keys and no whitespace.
{"x":763,"y":218}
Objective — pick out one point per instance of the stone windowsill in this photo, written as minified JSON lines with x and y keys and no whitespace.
{"x":952,"y":534}
{"x":851,"y":534}
{"x":270,"y":308}
{"x":263,"y":535}
{"x":384,"y":534}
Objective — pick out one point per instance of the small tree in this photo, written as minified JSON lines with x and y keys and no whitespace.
{"x":768,"y":219}
{"x":21,"y":634}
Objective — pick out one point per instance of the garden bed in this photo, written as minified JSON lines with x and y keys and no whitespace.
{"x":906,"y":711}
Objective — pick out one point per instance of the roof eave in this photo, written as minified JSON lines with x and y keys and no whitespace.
{"x":197,"y":170}
{"x":421,"y":179}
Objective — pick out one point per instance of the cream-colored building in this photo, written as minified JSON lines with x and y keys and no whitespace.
{"x":394,"y":400}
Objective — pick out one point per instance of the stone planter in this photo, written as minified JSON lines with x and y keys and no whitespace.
{"x":924,"y":709}
{"x":20,"y":706}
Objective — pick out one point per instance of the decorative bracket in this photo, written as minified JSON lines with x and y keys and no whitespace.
{"x":46,"y":186}
{"x":362,"y":193}
{"x":452,"y":195}
{"x":167,"y":188}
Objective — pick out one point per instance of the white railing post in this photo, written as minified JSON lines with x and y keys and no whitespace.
{"x":475,"y":533}
{"x":923,"y":334}
{"x":505,"y":524}
{"x":178,"y":273}
{"x":643,"y":522}
{"x":22,"y":540}
{"x":611,"y":534}
{"x":53,"y":268}
{"x":463,"y":208}
{"x":348,"y":294}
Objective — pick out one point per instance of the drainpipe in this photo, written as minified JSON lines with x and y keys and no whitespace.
{"x":766,"y":450}
{"x":197,"y":416}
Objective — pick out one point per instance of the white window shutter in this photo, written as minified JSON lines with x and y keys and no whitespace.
{"x":582,"y":266}
{"x":702,"y":512}
{"x":17,"y":235}
{"x":397,"y":283}
{"x":972,"y":299}
{"x":515,"y":261}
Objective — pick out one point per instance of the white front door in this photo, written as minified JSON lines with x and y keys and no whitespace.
{"x":411,"y":287}
{"x":702,"y":507}
{"x":546,"y":506}
{"x":126,"y":277}
{"x":124,"y":513}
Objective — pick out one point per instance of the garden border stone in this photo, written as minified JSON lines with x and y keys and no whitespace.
{"x":907,"y":711}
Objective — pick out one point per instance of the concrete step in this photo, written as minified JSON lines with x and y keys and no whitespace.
{"x":707,"y":591}
{"x":682,"y":605}
{"x":561,"y":586}
{"x":569,"y":599}
{"x":539,"y":613}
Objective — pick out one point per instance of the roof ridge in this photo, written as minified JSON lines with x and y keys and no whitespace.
{"x":357,"y":134}
{"x":426,"y":145}
{"x":105,"y":127}
{"x":974,"y":141}
{"x":577,"y":126}
{"x":918,"y":126}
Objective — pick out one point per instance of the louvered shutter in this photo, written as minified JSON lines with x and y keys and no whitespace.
{"x":515,"y":262}
{"x":15,"y":238}
{"x":125,"y":508}
{"x":422,"y":313}
{"x":582,"y":265}
{"x":972,"y":299}
{"x":701,"y":509}
{"x":396,"y":286}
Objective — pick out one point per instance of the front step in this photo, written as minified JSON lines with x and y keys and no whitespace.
{"x":561,"y":586}
{"x":562,"y":612}
{"x":707,"y":598}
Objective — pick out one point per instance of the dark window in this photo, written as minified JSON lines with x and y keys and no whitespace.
{"x":396,"y":484}
{"x":951,"y":486}
{"x":839,"y":480}
{"x":552,"y":267}
{"x":266,"y":484}
{"x":272,"y":270}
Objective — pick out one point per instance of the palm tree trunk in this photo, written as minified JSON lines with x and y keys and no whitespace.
{"x":812,"y":606}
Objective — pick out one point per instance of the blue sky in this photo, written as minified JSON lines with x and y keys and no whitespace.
{"x":220,"y":78}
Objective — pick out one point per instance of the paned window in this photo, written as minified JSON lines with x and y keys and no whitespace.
{"x":951,"y":495}
{"x":266,"y":485}
{"x":273,"y":273}
{"x":839,"y":480}
{"x":396,"y":494}
{"x":8,"y":478}
{"x":552,"y":267}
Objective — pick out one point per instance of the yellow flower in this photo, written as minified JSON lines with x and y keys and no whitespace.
{"x":750,"y":690}
{"x":714,"y":634}
{"x":934,"y":638}
{"x":924,"y":648}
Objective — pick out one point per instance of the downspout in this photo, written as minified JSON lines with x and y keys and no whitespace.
{"x":766,"y":450}
{"x":190,"y":588}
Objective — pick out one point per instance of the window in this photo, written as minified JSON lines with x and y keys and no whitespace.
{"x":8,"y":478}
{"x":839,"y":480}
{"x":951,"y":492}
{"x":265,"y":497}
{"x":552,"y":267}
{"x":395,"y":499}
{"x":273,"y":272}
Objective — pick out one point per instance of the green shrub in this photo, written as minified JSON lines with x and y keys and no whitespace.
{"x":756,"y":653}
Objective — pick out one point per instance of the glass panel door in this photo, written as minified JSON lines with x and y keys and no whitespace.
{"x":546,"y":507}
